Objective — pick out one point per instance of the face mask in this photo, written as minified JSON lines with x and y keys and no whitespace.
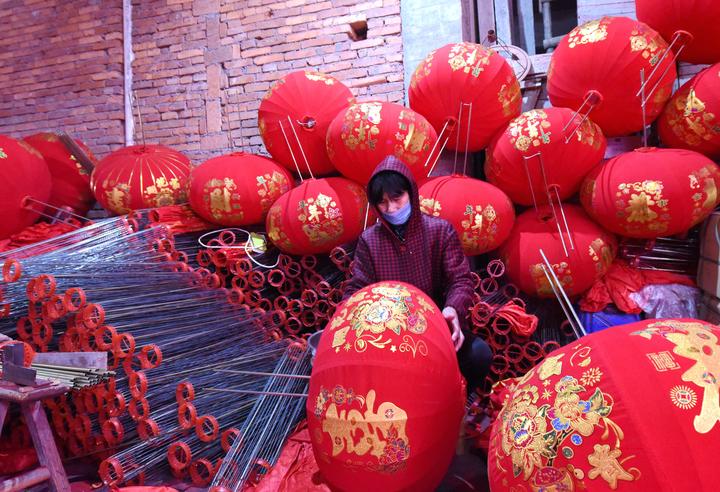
{"x":399,"y":217}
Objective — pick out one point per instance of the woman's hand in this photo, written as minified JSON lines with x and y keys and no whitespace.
{"x":456,"y":334}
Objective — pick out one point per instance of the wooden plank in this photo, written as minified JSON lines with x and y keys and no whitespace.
{"x":469,"y":22}
{"x":526,"y":26}
{"x":44,"y":443}
{"x":485,"y":18}
{"x":25,"y":481}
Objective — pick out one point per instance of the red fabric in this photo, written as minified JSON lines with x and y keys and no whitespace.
{"x":237,"y":189}
{"x":481,"y":214}
{"x":360,"y":137}
{"x":691,"y":119}
{"x":430,"y":257}
{"x":317,"y":215}
{"x":38,"y":232}
{"x":470,"y":78}
{"x":70,"y":180}
{"x":620,"y":281}
{"x":23,"y":173}
{"x":698,"y":17}
{"x":541,"y":131}
{"x":311,"y":100}
{"x":522,"y":324}
{"x":606,"y":55}
{"x":141,"y":176}
{"x":629,"y":408}
{"x":652,"y":192}
{"x":16,"y":460}
{"x":386,"y":397}
{"x":180,"y":219}
{"x":533,"y":231}
{"x":295,"y":469}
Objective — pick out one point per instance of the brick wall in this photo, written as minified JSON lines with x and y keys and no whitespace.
{"x":197,"y":63}
{"x":61,"y":68}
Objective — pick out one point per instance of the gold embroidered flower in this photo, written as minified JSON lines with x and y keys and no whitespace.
{"x":591,"y":377}
{"x":638,"y":208}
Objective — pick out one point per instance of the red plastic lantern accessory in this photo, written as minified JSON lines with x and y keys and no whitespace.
{"x":294,"y":117}
{"x":318,"y":215}
{"x":691,"y":120}
{"x":590,"y":250}
{"x":70,"y":180}
{"x":481,"y":214}
{"x":633,"y":407}
{"x":652,"y":192}
{"x":700,"y":18}
{"x":466,"y":83}
{"x":237,"y":189}
{"x":600,"y":62}
{"x":24,"y":178}
{"x":141,"y":176}
{"x":360,"y":137}
{"x":542,"y":143}
{"x":386,"y":395}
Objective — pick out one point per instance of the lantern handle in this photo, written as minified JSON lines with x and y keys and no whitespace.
{"x":292,"y":154}
{"x":137,"y":106}
{"x":467,"y":136}
{"x":684,"y":38}
{"x":562,"y":297}
{"x":302,"y":151}
{"x":60,"y":214}
{"x":449,"y":123}
{"x":592,"y":99}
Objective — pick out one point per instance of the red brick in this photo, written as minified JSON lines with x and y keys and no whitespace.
{"x":275,"y":57}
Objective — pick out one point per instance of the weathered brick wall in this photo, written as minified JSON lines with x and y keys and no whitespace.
{"x":61,"y":68}
{"x":197,"y":63}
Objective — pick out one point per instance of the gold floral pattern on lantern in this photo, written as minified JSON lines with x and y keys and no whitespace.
{"x":642,"y":206}
{"x":690,"y":121}
{"x":321,"y":219}
{"x":319,"y":77}
{"x":649,"y":42}
{"x":698,"y":342}
{"x":412,"y":137}
{"x":369,"y":319}
{"x":590,"y":134}
{"x":430,"y":206}
{"x":357,"y":428}
{"x":422,"y":70}
{"x":279,"y":83}
{"x":530,"y":129}
{"x":590,"y":32}
{"x":118,"y":197}
{"x":509,"y":96}
{"x":470,"y":58}
{"x":479,"y":227}
{"x":601,"y":253}
{"x":222,"y":199}
{"x":705,"y":196}
{"x":270,"y":187}
{"x":81,"y":170}
{"x":164,"y":192}
{"x":275,"y":228}
{"x":542,"y":284}
{"x":262,"y":128}
{"x":683,"y":397}
{"x":360,"y":126}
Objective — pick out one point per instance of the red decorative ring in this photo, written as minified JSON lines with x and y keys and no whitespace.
{"x":111,"y":472}
{"x":113,"y":431}
{"x":228,"y":438}
{"x":187,"y":415}
{"x":179,"y":455}
{"x":12,"y":270}
{"x":147,"y":429}
{"x":207,"y":428}
{"x":201,"y":472}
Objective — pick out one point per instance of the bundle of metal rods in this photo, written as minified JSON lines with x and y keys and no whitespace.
{"x":272,"y":418}
{"x":668,"y":254}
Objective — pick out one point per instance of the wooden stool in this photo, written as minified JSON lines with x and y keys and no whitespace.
{"x":51,"y":468}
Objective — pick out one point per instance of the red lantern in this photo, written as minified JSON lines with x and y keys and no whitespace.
{"x":652,"y":192}
{"x":698,"y":17}
{"x":23,"y":174}
{"x":633,"y":407}
{"x":70,"y":180}
{"x":360,"y":137}
{"x":386,"y":396}
{"x":513,"y":154}
{"x":141,"y":176}
{"x":604,"y":57}
{"x":311,"y":100}
{"x":593,"y":252}
{"x":318,"y":215}
{"x":237,"y":189}
{"x":481,"y":214}
{"x":469,"y":83}
{"x":691,"y":120}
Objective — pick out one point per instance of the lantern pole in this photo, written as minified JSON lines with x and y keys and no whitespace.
{"x":229,"y":130}
{"x":562,"y":297}
{"x":367,"y":212}
{"x":643,"y":102}
{"x":432,"y":151}
{"x":442,"y":148}
{"x":292,"y":154}
{"x":457,"y":138}
{"x":137,"y":105}
{"x":467,"y":139}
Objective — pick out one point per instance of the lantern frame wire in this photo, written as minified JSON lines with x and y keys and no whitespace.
{"x":562,"y":297}
{"x":592,"y":99}
{"x":292,"y":153}
{"x":678,"y":35}
{"x":442,"y":148}
{"x":27,"y":205}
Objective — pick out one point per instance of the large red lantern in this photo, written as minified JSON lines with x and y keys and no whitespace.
{"x":360,"y":137}
{"x":698,"y":17}
{"x":318,"y":215}
{"x":481,"y":214}
{"x":590,"y":250}
{"x":386,"y":395}
{"x":691,"y":120}
{"x":652,"y":192}
{"x":237,"y":189}
{"x":141,"y":176}
{"x":544,"y":140}
{"x":24,"y":177}
{"x":604,"y":58}
{"x":469,"y":83}
{"x":301,"y":104}
{"x":70,"y":180}
{"x":633,"y":407}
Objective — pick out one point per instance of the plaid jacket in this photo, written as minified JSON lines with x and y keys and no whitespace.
{"x":430,"y":256}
